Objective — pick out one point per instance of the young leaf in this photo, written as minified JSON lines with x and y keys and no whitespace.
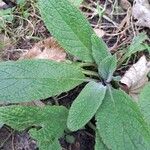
{"x":68,"y":26}
{"x":99,"y":49}
{"x":121,"y":123}
{"x":144,"y":102}
{"x":29,"y":80}
{"x":6,"y":16}
{"x":99,"y":145}
{"x":136,"y":45}
{"x":107,"y":67}
{"x":85,"y":105}
{"x":50,"y":119}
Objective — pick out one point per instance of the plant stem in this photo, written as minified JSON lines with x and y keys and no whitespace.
{"x":91,"y":73}
{"x":92,"y":126}
{"x":56,"y":101}
{"x":87,"y":64}
{"x":90,"y":79}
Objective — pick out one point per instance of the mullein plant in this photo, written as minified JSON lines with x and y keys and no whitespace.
{"x":121,"y":124}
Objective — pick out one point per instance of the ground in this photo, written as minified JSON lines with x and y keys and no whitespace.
{"x":24,"y":27}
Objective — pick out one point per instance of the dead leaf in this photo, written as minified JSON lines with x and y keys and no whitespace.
{"x":46,"y":49}
{"x":141,"y":12}
{"x":99,"y":32}
{"x":2,"y":5}
{"x":136,"y":77}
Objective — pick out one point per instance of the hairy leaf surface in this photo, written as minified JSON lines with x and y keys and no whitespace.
{"x":136,"y":45}
{"x":99,"y":145}
{"x":85,"y":105}
{"x":99,"y":49}
{"x":107,"y":67}
{"x":68,"y":26}
{"x":51,"y":121}
{"x":29,"y":80}
{"x":44,"y":140}
{"x":121,"y":124}
{"x":144,"y":102}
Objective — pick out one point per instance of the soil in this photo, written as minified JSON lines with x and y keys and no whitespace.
{"x":83,"y":139}
{"x":13,"y":140}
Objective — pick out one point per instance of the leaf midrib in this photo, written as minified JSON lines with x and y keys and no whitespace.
{"x":122,"y":121}
{"x":41,"y":78}
{"x":72,"y":29}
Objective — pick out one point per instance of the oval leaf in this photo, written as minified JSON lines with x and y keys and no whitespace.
{"x":121,"y":124}
{"x":68,"y":26}
{"x":144,"y":102}
{"x":107,"y":67}
{"x":85,"y":105}
{"x":99,"y":145}
{"x":99,"y":49}
{"x":29,"y":80}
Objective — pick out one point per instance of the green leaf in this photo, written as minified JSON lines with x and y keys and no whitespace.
{"x":76,"y":2}
{"x":21,"y":2}
{"x":99,"y":49}
{"x":6,"y":16}
{"x":51,"y":121}
{"x":136,"y":45}
{"x":68,"y":26}
{"x":85,"y":105}
{"x":107,"y":67}
{"x":99,"y":145}
{"x":144,"y":102}
{"x":121,"y":124}
{"x":41,"y":138}
{"x":29,"y":80}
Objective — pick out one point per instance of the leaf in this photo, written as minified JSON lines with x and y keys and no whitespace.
{"x":21,"y":2}
{"x":2,"y":5}
{"x":46,"y":49}
{"x":41,"y":138}
{"x":68,"y":26}
{"x":136,"y":45}
{"x":6,"y":16}
{"x":107,"y":67}
{"x":136,"y":77}
{"x":85,"y":105}
{"x":143,"y":14}
{"x":29,"y":80}
{"x":76,"y":2}
{"x":99,"y":49}
{"x":121,"y":124}
{"x":99,"y":145}
{"x":51,"y":121}
{"x":144,"y":102}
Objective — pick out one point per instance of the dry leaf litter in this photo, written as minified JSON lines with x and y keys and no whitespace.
{"x":136,"y":77}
